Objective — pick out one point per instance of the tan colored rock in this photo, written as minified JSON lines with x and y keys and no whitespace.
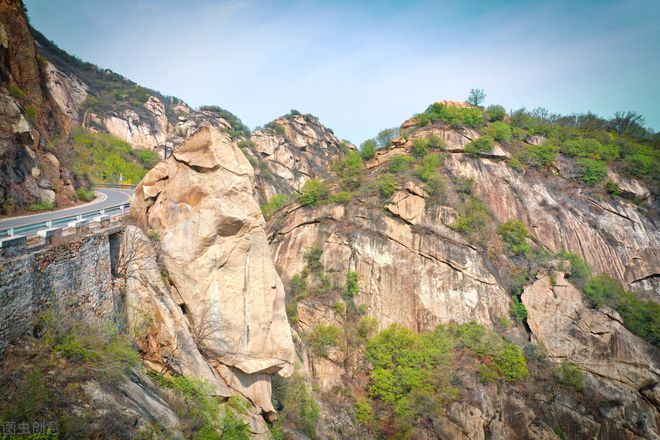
{"x":68,"y":91}
{"x":613,"y":236}
{"x":215,"y":250}
{"x":408,"y":206}
{"x":408,"y":275}
{"x":594,"y":339}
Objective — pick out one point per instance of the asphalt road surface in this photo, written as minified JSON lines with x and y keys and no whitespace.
{"x":109,"y":197}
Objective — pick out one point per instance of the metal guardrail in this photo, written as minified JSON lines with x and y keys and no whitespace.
{"x":114,"y":185}
{"x":32,"y":228}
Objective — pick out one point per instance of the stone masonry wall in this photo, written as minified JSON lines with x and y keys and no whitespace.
{"x":75,"y":273}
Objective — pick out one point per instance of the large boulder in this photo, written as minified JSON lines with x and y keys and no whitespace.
{"x":214,"y":248}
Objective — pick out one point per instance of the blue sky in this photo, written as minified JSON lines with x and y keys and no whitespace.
{"x":366,"y":65}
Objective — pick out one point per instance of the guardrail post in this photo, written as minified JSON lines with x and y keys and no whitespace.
{"x":79,"y":217}
{"x":102,"y":212}
{"x":11,"y":232}
{"x":121,"y":208}
{"x":49,"y":224}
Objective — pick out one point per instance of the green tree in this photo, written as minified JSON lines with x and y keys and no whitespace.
{"x":350,"y":170}
{"x":483,"y":144}
{"x":476,"y":97}
{"x":368,"y":149}
{"x":515,"y":235}
{"x":385,"y":137}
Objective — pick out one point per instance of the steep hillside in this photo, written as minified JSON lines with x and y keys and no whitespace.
{"x":451,"y":223}
{"x":102,"y":100}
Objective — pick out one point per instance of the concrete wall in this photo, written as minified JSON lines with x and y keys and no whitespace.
{"x":74,"y":272}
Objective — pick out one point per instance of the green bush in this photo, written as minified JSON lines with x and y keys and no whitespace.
{"x":542,"y":156}
{"x":483,"y":144}
{"x":495,"y":113}
{"x":296,"y":404}
{"x":640,"y":317}
{"x":518,"y":310}
{"x":384,"y":137}
{"x":579,"y":268}
{"x":400,"y":164}
{"x":314,"y":191}
{"x":350,"y":170}
{"x":592,"y":171}
{"x":514,"y":234}
{"x":276,"y":127}
{"x":352,"y":286}
{"x":16,"y":91}
{"x":341,"y":197}
{"x":322,"y":337}
{"x":570,"y":375}
{"x":148,"y":158}
{"x":86,"y":195}
{"x":387,"y":185}
{"x":274,"y":204}
{"x":32,"y":112}
{"x":500,"y":131}
{"x":455,"y":116}
{"x":368,"y":149}
{"x":423,"y":119}
{"x":419,"y":147}
{"x":42,"y":205}
{"x":473,"y":216}
{"x":313,"y":257}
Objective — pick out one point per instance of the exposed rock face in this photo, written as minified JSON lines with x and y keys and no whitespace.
{"x":594,"y":339}
{"x":304,"y":150}
{"x":29,"y":115}
{"x":129,"y":126}
{"x":68,"y":91}
{"x":216,"y":253}
{"x":612,"y":236}
{"x":445,"y":279}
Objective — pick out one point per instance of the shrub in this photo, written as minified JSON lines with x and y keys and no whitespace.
{"x":276,"y":127}
{"x":423,"y":119}
{"x":455,"y":116}
{"x":429,"y":167}
{"x":579,"y":268}
{"x":483,"y":144}
{"x":363,"y":411}
{"x":400,"y":164}
{"x":42,"y":205}
{"x":570,"y":375}
{"x":350,"y":170}
{"x":612,"y":188}
{"x":514,"y":234}
{"x":495,"y":113}
{"x":16,"y":91}
{"x":86,"y":195}
{"x":473,"y":216}
{"x":148,"y":158}
{"x":384,"y":137}
{"x":476,"y":97}
{"x":640,"y":317}
{"x":296,"y":404}
{"x":368,"y":149}
{"x":274,"y":204}
{"x":341,"y":197}
{"x":419,"y":147}
{"x":322,"y":337}
{"x":543,"y":155}
{"x":518,"y":310}
{"x":313,"y":257}
{"x":386,"y":185}
{"x":314,"y":191}
{"x":500,"y":131}
{"x":592,"y":171}
{"x":352,"y":286}
{"x":32,"y":112}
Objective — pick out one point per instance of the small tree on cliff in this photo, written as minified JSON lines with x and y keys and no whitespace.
{"x":476,"y":97}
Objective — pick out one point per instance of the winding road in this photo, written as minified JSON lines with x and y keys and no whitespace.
{"x":110,"y":197}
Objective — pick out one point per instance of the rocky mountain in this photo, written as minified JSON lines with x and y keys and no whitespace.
{"x":483,"y":274}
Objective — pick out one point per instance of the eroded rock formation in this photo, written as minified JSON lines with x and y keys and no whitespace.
{"x":199,"y":202}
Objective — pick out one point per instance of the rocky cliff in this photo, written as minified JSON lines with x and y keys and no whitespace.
{"x":29,"y":118}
